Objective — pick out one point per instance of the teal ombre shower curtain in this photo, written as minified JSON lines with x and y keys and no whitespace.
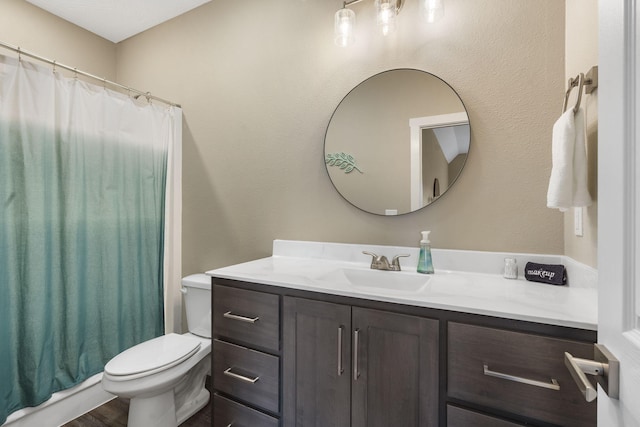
{"x":82,"y":221}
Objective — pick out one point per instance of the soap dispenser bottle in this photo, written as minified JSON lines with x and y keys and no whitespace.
{"x":425,"y":264}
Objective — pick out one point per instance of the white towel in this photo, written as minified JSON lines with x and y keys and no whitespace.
{"x":568,"y":181}
{"x":581,"y":196}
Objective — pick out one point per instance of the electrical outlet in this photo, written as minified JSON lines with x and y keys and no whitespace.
{"x":577,"y":221}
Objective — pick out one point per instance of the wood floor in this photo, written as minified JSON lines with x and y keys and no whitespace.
{"x":114,"y":414}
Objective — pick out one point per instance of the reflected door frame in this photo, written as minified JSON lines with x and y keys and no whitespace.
{"x":416,"y":126}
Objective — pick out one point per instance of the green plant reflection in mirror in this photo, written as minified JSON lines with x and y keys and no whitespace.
{"x":407,"y":128}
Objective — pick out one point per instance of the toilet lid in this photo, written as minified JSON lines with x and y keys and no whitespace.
{"x":154,"y":355}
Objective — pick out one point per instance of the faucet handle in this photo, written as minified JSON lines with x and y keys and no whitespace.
{"x":378,"y":262}
{"x":396,"y":261}
{"x":375,"y":256}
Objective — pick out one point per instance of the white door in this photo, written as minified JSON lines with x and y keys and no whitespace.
{"x":619,"y":206}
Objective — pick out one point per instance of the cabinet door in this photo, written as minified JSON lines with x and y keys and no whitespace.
{"x":395,"y":370}
{"x":316,"y":364}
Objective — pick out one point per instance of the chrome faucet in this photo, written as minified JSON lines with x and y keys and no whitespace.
{"x":380,"y":262}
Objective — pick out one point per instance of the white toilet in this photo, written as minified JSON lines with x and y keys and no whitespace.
{"x":164,"y":377}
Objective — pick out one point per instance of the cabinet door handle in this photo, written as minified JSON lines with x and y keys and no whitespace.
{"x":587,"y":390}
{"x":340,"y":368}
{"x":230,"y":315}
{"x":605,"y":367}
{"x":553,"y":385}
{"x":228,"y":373}
{"x":356,"y":344}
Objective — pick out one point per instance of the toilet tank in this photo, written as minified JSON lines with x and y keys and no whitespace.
{"x":197,"y":300}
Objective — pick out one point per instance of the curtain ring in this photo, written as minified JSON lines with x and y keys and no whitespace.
{"x":75,"y":73}
{"x":54,"y":66}
{"x":19,"y":54}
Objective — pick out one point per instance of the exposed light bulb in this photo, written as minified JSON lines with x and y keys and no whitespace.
{"x":387,"y":11}
{"x":344,"y":24}
{"x":431,"y":10}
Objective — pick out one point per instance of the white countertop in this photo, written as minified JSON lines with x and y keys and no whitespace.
{"x":330,"y":268}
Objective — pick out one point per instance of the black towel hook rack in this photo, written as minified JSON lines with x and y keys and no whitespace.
{"x":589,"y":82}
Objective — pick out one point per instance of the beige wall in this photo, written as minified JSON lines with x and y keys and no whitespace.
{"x":259,"y":80}
{"x":581,"y":54}
{"x":37,"y":31}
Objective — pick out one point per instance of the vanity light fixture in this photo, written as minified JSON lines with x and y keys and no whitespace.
{"x":386,"y":12}
{"x":344,"y":23}
{"x":431,"y":10}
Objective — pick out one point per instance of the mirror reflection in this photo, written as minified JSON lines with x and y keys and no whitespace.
{"x":397,"y":142}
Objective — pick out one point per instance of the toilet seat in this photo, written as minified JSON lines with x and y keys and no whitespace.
{"x":151,"y":356}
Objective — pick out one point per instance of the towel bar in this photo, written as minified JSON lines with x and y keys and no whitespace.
{"x":588,"y":82}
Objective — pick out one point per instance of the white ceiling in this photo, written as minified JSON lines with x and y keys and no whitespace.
{"x":116,"y":20}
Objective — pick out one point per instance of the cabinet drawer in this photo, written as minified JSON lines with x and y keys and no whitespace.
{"x":477,"y":354}
{"x":249,"y":317}
{"x":249,"y":375}
{"x":458,"y":417}
{"x":229,"y":413}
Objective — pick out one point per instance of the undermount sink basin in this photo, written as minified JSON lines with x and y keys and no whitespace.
{"x":388,"y":281}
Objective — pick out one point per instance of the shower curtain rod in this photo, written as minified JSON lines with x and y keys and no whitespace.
{"x":84,"y":73}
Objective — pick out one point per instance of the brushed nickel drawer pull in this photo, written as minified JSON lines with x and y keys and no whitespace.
{"x":356,"y":344}
{"x":230,"y":315}
{"x":553,"y":385}
{"x":340,"y":368}
{"x":240,"y":377}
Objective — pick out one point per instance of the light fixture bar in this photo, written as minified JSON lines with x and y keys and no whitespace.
{"x":350,"y":2}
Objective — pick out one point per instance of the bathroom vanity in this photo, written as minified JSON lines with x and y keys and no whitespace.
{"x":312,"y":337}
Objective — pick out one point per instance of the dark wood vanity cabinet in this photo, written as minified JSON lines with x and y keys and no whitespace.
{"x":352,"y":366}
{"x":227,"y":412}
{"x":291,"y":358}
{"x":316,"y":363}
{"x":460,"y":417}
{"x":246,"y":358}
{"x":516,"y":372}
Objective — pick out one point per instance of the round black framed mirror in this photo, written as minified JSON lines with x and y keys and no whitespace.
{"x":397,"y":142}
